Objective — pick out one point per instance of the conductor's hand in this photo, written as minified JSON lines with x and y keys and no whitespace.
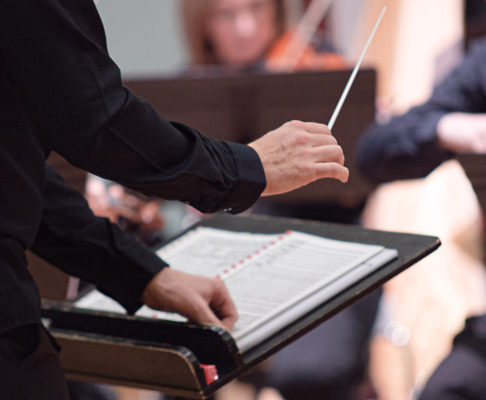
{"x":463,"y":132}
{"x":203,"y":300}
{"x":298,"y":153}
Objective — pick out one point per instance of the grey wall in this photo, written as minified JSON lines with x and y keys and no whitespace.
{"x":144,"y":36}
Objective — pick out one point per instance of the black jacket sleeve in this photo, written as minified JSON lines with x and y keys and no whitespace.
{"x":93,"y":248}
{"x":55,"y":54}
{"x":407,"y":147}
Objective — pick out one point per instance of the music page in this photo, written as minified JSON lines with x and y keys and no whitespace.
{"x":294,"y":267}
{"x":210,"y":252}
{"x":272,"y":278}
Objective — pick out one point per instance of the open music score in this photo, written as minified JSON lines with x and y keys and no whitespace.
{"x":273,"y":279}
{"x":157,"y":354}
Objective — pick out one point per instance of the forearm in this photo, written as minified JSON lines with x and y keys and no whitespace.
{"x":74,"y":240}
{"x":77,"y":106}
{"x":147,"y":153}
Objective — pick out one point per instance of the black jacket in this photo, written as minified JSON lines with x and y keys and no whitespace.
{"x":59,"y":90}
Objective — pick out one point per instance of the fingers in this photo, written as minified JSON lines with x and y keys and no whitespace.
{"x":325,"y":146}
{"x":310,"y":127}
{"x":200,"y":312}
{"x":215,"y":306}
{"x":318,"y":134}
{"x":205,"y":315}
{"x":292,"y":156}
{"x":331,"y":153}
{"x":222,"y":305}
{"x":322,"y":140}
{"x":201,"y":299}
{"x":331,"y":170}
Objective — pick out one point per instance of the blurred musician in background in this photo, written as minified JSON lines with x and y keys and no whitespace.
{"x":451,"y":121}
{"x":246,"y":35}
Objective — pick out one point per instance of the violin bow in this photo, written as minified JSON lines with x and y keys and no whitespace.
{"x":304,"y":32}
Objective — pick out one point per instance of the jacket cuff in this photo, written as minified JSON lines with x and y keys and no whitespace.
{"x":251,"y":179}
{"x":137,"y":266}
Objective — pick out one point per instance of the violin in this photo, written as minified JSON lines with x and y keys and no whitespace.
{"x":304,"y":57}
{"x":293,"y":51}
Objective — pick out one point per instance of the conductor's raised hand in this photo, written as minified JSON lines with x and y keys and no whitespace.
{"x":298,"y":153}
{"x":203,"y":300}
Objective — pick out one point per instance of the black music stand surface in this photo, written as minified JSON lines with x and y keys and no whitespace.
{"x":170,"y":357}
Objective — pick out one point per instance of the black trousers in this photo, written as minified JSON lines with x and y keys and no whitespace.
{"x":462,"y":374}
{"x":29,"y":365}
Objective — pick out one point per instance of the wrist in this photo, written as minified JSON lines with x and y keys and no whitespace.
{"x":154,"y":285}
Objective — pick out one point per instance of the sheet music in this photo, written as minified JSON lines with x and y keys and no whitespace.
{"x":252,"y":337}
{"x":293,"y":268}
{"x":209,"y":252}
{"x":203,"y":251}
{"x":273,"y":279}
{"x":95,"y":300}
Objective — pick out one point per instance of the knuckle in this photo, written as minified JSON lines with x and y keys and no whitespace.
{"x":299,"y":138}
{"x":198,"y":308}
{"x":339,"y":155}
{"x":296,"y":124}
{"x":215,"y":283}
{"x":341,"y":158}
{"x":304,"y":153}
{"x":338,"y":169}
{"x":333,"y":169}
{"x":332,"y":139}
{"x":220,"y":285}
{"x":306,"y":169}
{"x":328,"y":140}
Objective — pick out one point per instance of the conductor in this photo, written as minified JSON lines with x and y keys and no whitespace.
{"x":60,"y":91}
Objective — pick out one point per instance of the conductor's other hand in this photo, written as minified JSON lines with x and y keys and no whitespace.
{"x":463,"y":132}
{"x":203,"y":300}
{"x":298,"y":153}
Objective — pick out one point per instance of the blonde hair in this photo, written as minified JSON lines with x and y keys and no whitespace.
{"x":195,"y":14}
